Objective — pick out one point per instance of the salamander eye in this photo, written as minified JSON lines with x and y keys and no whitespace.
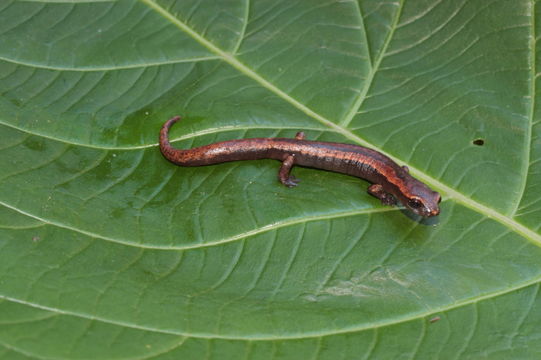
{"x":415,"y":203}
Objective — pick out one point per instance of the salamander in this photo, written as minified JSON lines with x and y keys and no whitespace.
{"x":390,"y":182}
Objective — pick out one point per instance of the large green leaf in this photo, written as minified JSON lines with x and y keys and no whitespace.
{"x":109,"y":251}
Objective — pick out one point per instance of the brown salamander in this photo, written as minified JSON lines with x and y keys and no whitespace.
{"x":390,"y":181}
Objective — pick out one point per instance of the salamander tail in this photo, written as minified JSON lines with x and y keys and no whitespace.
{"x":165,"y":145}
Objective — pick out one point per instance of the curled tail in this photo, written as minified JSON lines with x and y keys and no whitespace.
{"x":167,"y":150}
{"x":216,"y":153}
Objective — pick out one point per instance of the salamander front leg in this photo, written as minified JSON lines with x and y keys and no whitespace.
{"x":377,"y":191}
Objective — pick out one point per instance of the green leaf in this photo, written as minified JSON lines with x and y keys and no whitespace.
{"x":109,"y":251}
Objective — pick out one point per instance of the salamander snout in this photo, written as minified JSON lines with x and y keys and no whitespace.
{"x":426,"y":205}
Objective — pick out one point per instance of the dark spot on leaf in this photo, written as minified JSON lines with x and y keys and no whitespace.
{"x":479,"y":142}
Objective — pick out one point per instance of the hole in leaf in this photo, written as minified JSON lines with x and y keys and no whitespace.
{"x":479,"y":142}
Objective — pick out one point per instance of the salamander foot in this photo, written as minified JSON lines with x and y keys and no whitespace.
{"x":377,"y":191}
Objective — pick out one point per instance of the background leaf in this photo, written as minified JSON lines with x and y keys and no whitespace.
{"x":109,"y":251}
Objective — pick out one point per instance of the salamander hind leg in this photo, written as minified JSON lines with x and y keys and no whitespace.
{"x":284,"y":176}
{"x":299,"y":135}
{"x":377,"y":191}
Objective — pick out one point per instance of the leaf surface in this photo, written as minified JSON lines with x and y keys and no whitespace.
{"x":109,"y":251}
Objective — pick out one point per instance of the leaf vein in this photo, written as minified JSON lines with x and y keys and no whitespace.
{"x":525,"y":166}
{"x":368,"y":82}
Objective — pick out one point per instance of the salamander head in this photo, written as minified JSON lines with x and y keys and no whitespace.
{"x":422,"y":200}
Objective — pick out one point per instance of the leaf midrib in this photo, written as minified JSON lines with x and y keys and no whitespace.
{"x":516,"y":227}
